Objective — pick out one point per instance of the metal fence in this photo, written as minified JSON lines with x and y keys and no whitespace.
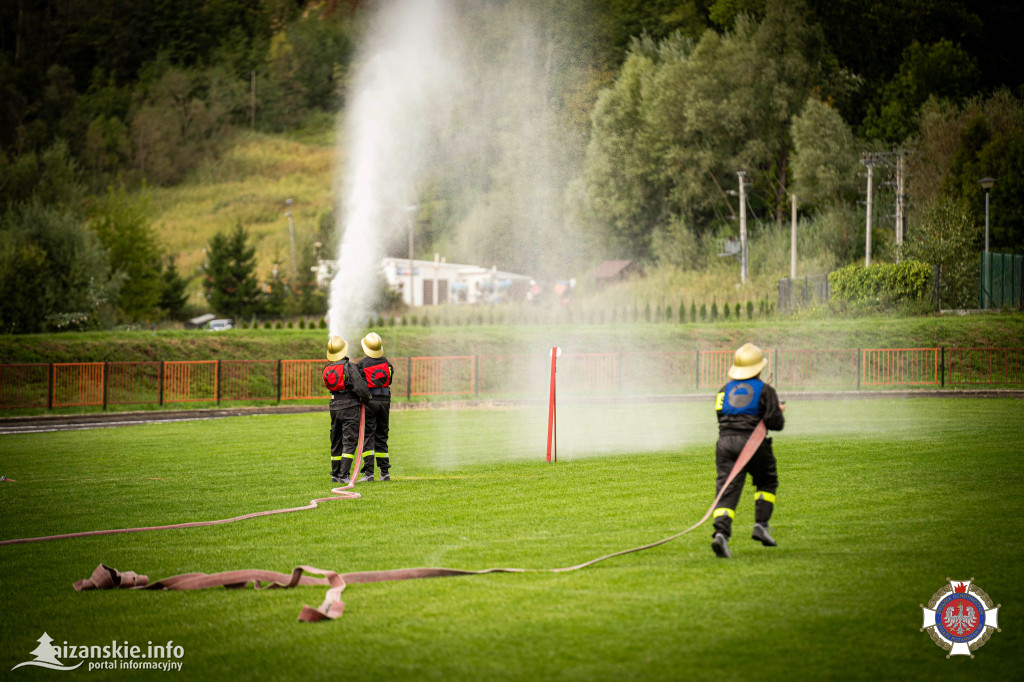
{"x":71,"y":384}
{"x":900,"y":366}
{"x":803,"y":292}
{"x":983,"y":366}
{"x":1002,"y":281}
{"x":451,"y":375}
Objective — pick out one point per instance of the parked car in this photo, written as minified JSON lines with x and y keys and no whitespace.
{"x":219,"y":325}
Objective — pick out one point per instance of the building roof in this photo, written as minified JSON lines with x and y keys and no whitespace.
{"x":610,"y":268}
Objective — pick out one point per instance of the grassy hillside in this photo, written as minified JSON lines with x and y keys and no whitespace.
{"x":1000,"y":330}
{"x":249,"y":184}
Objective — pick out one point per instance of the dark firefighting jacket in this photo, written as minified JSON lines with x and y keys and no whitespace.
{"x":378,"y":373}
{"x":742,"y":403}
{"x":345,"y":383}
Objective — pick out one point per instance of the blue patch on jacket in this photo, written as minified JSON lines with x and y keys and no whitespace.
{"x":742,"y":396}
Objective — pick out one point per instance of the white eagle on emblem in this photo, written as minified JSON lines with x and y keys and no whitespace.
{"x":960,"y":622}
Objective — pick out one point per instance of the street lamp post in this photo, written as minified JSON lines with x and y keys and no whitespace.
{"x":987,"y":184}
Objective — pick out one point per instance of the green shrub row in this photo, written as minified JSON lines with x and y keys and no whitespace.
{"x":882,"y":284}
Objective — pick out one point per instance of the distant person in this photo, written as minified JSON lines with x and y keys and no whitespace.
{"x":378,"y":372}
{"x":741,"y":405}
{"x":348,"y":391}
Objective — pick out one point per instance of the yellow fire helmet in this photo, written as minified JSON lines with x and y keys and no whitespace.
{"x":337,"y":348}
{"x":372,"y":345}
{"x":748,"y":362}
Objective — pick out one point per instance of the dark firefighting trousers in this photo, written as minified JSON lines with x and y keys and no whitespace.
{"x":375,"y":438}
{"x":761,"y":468}
{"x":344,"y":438}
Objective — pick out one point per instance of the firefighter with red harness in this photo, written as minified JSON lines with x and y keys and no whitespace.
{"x":741,"y":405}
{"x":348,"y":392}
{"x":378,"y":372}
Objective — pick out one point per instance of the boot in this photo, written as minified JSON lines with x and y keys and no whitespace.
{"x":344,"y":470}
{"x":385,"y":468}
{"x":720,"y":545}
{"x":763,"y":535}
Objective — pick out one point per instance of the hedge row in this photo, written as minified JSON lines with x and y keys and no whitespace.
{"x":881,"y":284}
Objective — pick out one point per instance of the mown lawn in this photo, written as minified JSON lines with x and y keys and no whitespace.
{"x":880,"y":502}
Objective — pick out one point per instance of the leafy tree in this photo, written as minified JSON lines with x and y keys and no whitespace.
{"x":947,"y":236}
{"x":621,"y":169}
{"x":53,"y":272}
{"x":824,"y":155}
{"x":942,"y":69}
{"x":172,"y":292}
{"x":52,"y":176}
{"x":173,"y":125}
{"x":957,"y":145}
{"x":230,"y":281}
{"x":122,"y":224}
{"x":669,"y":136}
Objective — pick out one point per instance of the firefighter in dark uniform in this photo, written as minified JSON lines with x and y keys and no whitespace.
{"x":348,"y":391}
{"x":378,"y":371}
{"x":741,"y":404}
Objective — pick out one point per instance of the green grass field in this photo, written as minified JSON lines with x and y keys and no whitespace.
{"x":880,"y":501}
{"x":988,"y":330}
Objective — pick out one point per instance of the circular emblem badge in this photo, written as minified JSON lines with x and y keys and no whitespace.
{"x":741,"y":395}
{"x":332,"y":379}
{"x":379,"y":378}
{"x":959,"y":617}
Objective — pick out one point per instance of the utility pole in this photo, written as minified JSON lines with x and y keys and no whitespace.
{"x":869,"y":162}
{"x":291,"y":240}
{"x":410,"y":210}
{"x":792,"y":240}
{"x":900,"y":210}
{"x":743,"y":226}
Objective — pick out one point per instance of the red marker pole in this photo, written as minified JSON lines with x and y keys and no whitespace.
{"x":552,"y":421}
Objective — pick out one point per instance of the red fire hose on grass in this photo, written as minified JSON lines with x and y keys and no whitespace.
{"x":105,"y":577}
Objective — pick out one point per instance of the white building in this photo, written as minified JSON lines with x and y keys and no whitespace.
{"x":437,"y":281}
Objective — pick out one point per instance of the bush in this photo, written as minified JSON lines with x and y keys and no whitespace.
{"x":291,"y":325}
{"x":277,"y":325}
{"x":703,"y":312}
{"x":726,"y":311}
{"x":323,"y":324}
{"x":737,"y":311}
{"x":750,"y":310}
{"x":302,"y":323}
{"x":881,"y":285}
{"x":714,"y":310}
{"x":693,"y":311}
{"x":668,"y":313}
{"x":266,"y":325}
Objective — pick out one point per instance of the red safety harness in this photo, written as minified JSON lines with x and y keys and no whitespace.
{"x":334,"y":376}
{"x":378,"y":376}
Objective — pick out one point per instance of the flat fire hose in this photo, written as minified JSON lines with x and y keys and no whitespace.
{"x":105,"y":577}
